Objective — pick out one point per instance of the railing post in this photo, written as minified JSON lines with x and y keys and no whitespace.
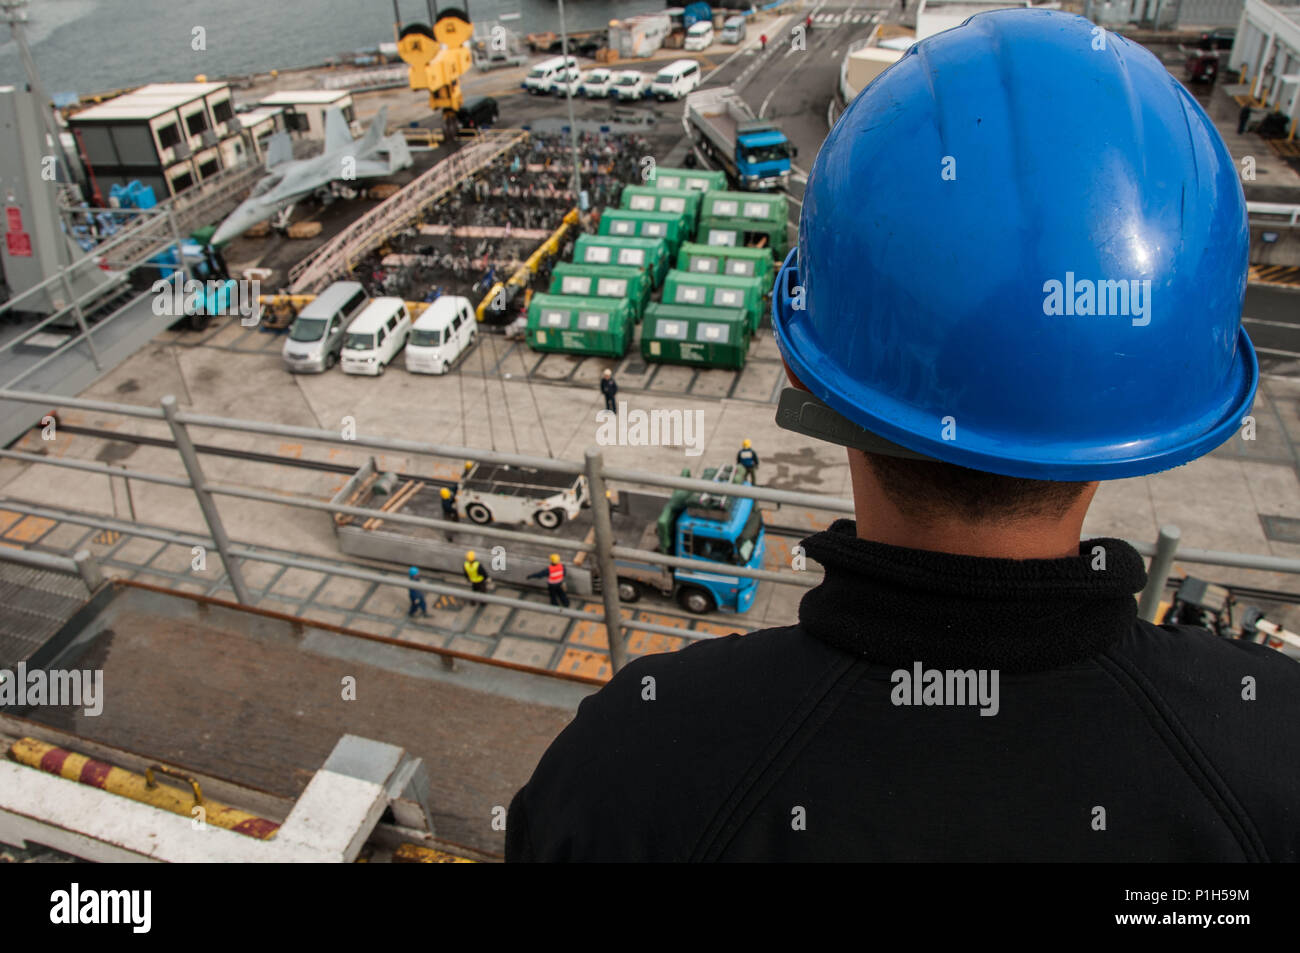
{"x":209,"y":507}
{"x":604,"y":527}
{"x":88,"y":569}
{"x":1161,"y":563}
{"x":81,"y":318}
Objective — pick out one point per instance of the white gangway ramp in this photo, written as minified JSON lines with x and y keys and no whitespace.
{"x":340,"y":253}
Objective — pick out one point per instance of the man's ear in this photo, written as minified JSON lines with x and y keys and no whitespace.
{"x":794,"y":381}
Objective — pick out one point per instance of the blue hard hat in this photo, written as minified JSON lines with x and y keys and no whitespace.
{"x":1023,"y":249}
{"x":414,"y":572}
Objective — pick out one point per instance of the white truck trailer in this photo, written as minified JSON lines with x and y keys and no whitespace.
{"x":753,"y":152}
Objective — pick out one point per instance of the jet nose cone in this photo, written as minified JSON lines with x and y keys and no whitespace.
{"x":227,"y":230}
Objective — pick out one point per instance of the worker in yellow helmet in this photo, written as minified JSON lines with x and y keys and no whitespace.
{"x":554,"y":574}
{"x":475,"y":573}
{"x":748,"y":459}
{"x":448,"y":504}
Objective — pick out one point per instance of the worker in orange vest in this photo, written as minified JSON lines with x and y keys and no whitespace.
{"x":554,"y":574}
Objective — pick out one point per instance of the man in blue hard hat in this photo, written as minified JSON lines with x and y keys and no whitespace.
{"x":417,"y":595}
{"x":993,"y":310}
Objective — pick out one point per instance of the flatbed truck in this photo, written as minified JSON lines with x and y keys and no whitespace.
{"x":717,"y":529}
{"x":754,"y":152}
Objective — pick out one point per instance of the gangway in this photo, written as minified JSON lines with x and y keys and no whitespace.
{"x":341,"y":253}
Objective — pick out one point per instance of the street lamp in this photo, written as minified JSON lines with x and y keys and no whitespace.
{"x":568,"y":95}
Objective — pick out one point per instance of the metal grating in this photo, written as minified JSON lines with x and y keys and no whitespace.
{"x":34,"y":605}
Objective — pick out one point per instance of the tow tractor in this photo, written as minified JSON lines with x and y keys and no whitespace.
{"x":493,"y":493}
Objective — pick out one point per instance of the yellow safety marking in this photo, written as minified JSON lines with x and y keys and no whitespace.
{"x":30,"y":528}
{"x":714,"y":629}
{"x":186,"y":801}
{"x":658,"y":619}
{"x":591,"y":634}
{"x":415,"y":854}
{"x":8,"y":518}
{"x":589,"y":664}
{"x":291,"y":450}
{"x":106,"y":537}
{"x":652,"y":643}
{"x":1275,"y":274}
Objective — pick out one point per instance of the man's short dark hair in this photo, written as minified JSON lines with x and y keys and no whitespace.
{"x":929,"y":491}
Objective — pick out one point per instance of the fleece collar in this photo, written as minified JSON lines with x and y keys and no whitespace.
{"x":895,"y":606}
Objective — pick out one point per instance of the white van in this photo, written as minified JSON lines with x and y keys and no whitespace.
{"x":442,"y":333}
{"x":376,"y":336}
{"x":316,"y":335}
{"x":542,"y":77}
{"x":733,"y":31}
{"x":676,"y":80}
{"x":699,"y":36}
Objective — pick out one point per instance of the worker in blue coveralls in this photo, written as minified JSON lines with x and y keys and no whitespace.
{"x":417,"y":596}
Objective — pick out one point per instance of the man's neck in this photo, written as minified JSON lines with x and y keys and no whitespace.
{"x":879,"y":520}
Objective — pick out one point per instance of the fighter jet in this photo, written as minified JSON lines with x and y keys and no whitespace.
{"x":342,"y":161}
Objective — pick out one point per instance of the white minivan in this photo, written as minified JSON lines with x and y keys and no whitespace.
{"x":542,"y":77}
{"x":375,"y":336}
{"x":699,"y":36}
{"x":676,"y":80}
{"x":442,"y":333}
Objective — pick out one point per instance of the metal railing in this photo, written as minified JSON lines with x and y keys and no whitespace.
{"x":603,"y":545}
{"x":82,"y":563}
{"x":133,"y":246}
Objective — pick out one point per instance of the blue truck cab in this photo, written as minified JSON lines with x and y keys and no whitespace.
{"x":762,"y":155}
{"x":715,"y":529}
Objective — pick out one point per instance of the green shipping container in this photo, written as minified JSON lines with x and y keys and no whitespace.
{"x":716,"y":291}
{"x":674,"y":227}
{"x":734,"y":233}
{"x":642,"y":198}
{"x":724,"y":260}
{"x":603,"y":281}
{"x":688,"y":334}
{"x":650,"y":254}
{"x":750,"y":206}
{"x":580,"y":325}
{"x":745,"y":219}
{"x":699,"y":180}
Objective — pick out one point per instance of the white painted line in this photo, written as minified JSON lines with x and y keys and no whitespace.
{"x":1272,"y":324}
{"x":744,"y":49}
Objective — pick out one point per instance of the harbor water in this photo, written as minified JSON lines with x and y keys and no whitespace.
{"x":88,"y":46}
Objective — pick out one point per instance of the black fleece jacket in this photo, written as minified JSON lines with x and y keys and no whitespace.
{"x":1102,"y":737}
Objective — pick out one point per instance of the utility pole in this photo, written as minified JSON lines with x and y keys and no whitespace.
{"x":568,"y":96}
